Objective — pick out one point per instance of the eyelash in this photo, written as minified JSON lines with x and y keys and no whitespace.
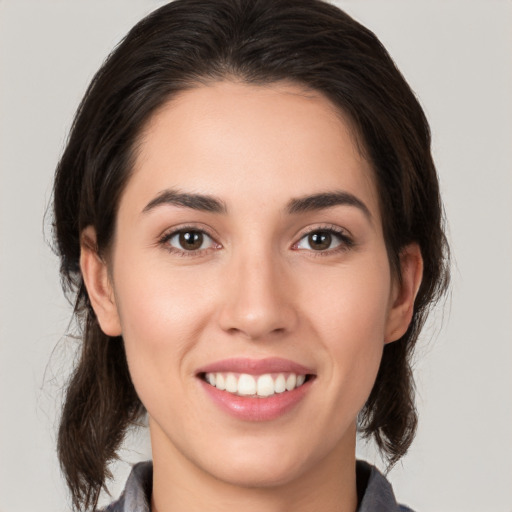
{"x":164,"y":241}
{"x":346,"y":242}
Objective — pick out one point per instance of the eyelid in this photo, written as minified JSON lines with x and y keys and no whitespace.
{"x":169,"y":233}
{"x":345,"y":237}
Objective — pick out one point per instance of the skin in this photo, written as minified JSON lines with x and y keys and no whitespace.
{"x":259,"y":289}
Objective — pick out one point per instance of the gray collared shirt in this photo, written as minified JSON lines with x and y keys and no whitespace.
{"x":375,"y":492}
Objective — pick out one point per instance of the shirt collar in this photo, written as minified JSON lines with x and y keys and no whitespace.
{"x":375,"y":492}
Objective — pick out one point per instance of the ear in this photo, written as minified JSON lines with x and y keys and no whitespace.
{"x":97,"y":281}
{"x":404,"y":292}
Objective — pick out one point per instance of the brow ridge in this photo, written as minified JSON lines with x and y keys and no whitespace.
{"x":324,"y":200}
{"x":298,"y":205}
{"x":195,"y":201}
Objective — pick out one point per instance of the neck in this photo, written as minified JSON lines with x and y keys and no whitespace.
{"x":179,"y":485}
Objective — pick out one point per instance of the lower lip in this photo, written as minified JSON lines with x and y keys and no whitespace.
{"x":250,"y":408}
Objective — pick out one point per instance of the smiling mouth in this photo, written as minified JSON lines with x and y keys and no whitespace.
{"x":258,"y":386}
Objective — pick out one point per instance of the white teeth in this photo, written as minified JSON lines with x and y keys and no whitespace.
{"x":246,"y":385}
{"x":220,"y":383}
{"x":280,"y":384}
{"x":231,"y":383}
{"x":249,"y":385}
{"x":265,"y":385}
{"x":291,"y":381}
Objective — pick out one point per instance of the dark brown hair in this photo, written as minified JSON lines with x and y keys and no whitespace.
{"x":190,"y":42}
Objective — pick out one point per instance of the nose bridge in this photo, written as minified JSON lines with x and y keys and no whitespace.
{"x":258,"y":300}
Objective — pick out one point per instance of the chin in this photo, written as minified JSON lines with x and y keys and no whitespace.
{"x":262,"y":462}
{"x":258,"y":473}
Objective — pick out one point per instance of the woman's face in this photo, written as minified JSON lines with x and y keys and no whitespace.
{"x":249,"y":254}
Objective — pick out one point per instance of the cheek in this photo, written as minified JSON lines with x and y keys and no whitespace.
{"x":160,"y":304}
{"x":350,"y":304}
{"x":162,"y":315}
{"x":349,"y":318}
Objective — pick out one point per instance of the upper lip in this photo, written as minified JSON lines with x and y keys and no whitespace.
{"x":255,"y":366}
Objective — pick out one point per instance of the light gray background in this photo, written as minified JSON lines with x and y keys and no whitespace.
{"x":457,"y":55}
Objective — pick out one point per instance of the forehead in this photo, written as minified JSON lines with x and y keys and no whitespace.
{"x":249,"y":142}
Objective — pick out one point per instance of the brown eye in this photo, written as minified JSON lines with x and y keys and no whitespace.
{"x":188,"y":240}
{"x":324,"y":240}
{"x":320,"y":240}
{"x":191,"y":240}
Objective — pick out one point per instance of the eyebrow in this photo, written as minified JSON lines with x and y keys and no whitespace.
{"x":298,"y":205}
{"x":200,"y":202}
{"x":326,"y":200}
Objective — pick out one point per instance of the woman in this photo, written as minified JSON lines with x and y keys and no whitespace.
{"x":248,"y":213}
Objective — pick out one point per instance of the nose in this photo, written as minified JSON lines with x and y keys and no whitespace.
{"x":258,"y":298}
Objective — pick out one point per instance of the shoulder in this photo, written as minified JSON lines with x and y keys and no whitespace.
{"x":136,"y":496}
{"x":375,"y":492}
